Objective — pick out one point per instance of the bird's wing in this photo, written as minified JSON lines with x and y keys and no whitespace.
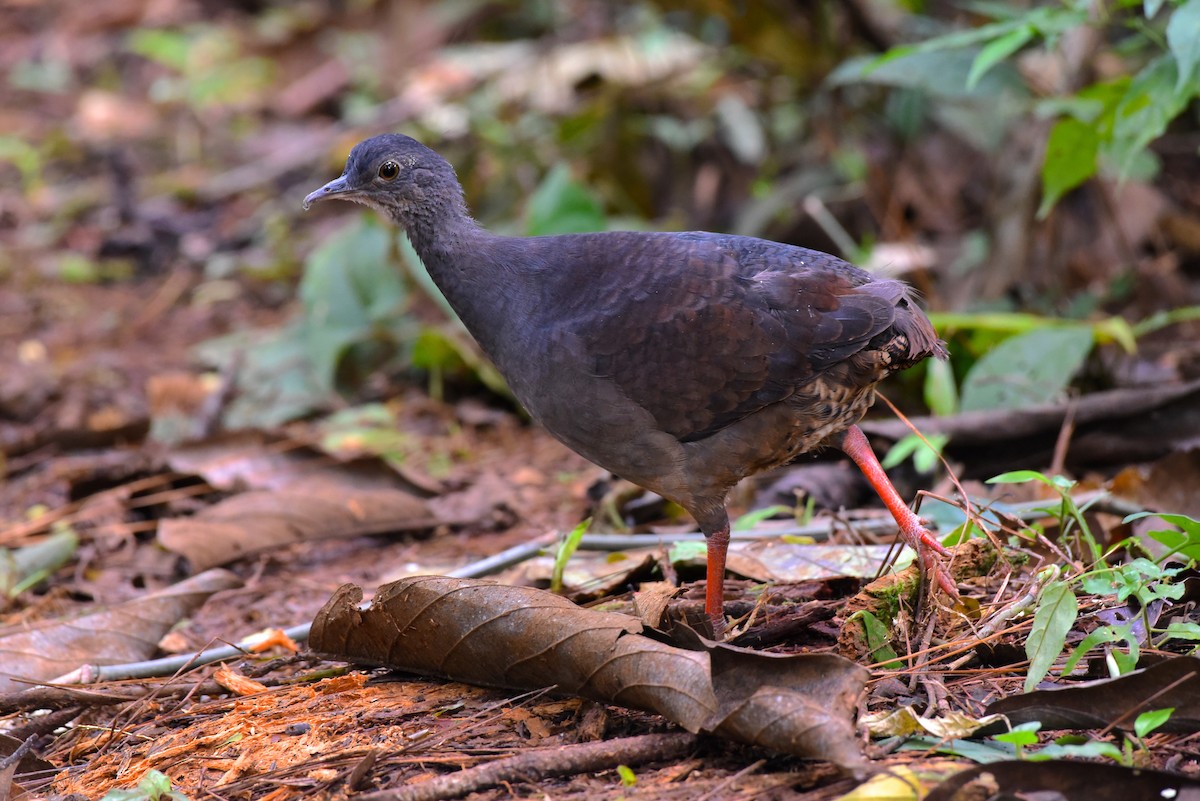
{"x":711,"y":329}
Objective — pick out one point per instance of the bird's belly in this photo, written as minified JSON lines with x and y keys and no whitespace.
{"x":776,"y":435}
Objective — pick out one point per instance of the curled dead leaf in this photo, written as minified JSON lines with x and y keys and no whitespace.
{"x":517,"y":637}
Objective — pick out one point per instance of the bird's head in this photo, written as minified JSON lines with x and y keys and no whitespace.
{"x":393,"y":174}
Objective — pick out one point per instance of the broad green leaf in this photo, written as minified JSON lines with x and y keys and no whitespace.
{"x":167,"y":47}
{"x":23,"y":156}
{"x":1183,"y":37}
{"x":1088,"y":750}
{"x":1027,"y":369}
{"x":981,"y":752}
{"x":562,"y":206}
{"x":997,"y":50}
{"x":752,"y":519}
{"x":925,"y":456}
{"x":1152,"y":99}
{"x":1070,"y":160}
{"x":1147,"y":722}
{"x":444,"y":350}
{"x":276,"y":382}
{"x":879,"y":641}
{"x":1020,"y":735}
{"x":351,"y":293}
{"x":940,"y":73}
{"x":941,"y":391}
{"x":898,"y":453}
{"x":1057,"y":610}
{"x":686,"y":551}
{"x":1101,"y":635}
{"x":1181,"y":631}
{"x":1019,"y":477}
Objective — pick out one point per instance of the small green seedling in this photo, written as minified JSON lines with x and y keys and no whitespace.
{"x":566,"y":549}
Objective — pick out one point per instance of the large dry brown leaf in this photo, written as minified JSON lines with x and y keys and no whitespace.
{"x":319,"y":506}
{"x":1173,"y":683}
{"x":1065,"y":780}
{"x":517,"y":637}
{"x":128,"y":632}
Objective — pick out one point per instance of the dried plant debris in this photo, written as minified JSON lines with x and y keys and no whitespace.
{"x":1114,"y":703}
{"x":1063,"y":779}
{"x":124,"y":633}
{"x":484,"y":633}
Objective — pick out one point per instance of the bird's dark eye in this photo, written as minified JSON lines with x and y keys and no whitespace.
{"x":388,"y":170}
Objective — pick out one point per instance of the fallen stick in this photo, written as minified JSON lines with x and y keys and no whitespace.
{"x":545,"y":763}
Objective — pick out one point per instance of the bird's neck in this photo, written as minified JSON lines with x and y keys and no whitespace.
{"x":474,"y":268}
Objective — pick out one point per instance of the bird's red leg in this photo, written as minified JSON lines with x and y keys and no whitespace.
{"x":855,"y":444}
{"x":717,"y":546}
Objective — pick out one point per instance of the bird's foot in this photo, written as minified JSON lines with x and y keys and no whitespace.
{"x":930,"y":552}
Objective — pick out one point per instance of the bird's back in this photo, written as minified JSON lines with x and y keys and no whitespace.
{"x":702,"y":330}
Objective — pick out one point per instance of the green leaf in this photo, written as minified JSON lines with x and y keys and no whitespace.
{"x":879,"y":641}
{"x":1056,"y":612}
{"x":1183,"y":37}
{"x":23,"y":156}
{"x":687,"y":551}
{"x":1147,"y":722}
{"x":1022,"y":735}
{"x":928,"y":457}
{"x":1088,"y":750}
{"x":566,"y":549}
{"x":154,"y":786}
{"x":1186,"y":541}
{"x":1019,"y":477}
{"x":983,"y":753}
{"x":997,"y":50}
{"x":1180,"y":631}
{"x":898,"y":453}
{"x":1101,"y":635}
{"x":275,"y":376}
{"x":628,"y":777}
{"x":1070,"y":160}
{"x":941,"y":74}
{"x":169,"y":48}
{"x":1150,"y":102}
{"x":352,"y":294}
{"x":562,"y":206}
{"x":752,"y":519}
{"x":941,"y":391}
{"x":925,"y":456}
{"x":1026,"y":370}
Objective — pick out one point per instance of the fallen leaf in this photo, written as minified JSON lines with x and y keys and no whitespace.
{"x":1114,"y":702}
{"x":128,"y":632}
{"x":494,"y":635}
{"x":1063,"y":779}
{"x":320,"y":506}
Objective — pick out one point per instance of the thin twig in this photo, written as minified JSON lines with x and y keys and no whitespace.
{"x":719,"y":790}
{"x":544,"y":763}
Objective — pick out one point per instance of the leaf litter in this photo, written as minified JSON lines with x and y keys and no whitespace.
{"x":106,"y":388}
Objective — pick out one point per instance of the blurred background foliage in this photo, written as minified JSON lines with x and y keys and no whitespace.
{"x":1030,"y":166}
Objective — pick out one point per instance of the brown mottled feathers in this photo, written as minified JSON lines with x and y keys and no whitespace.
{"x":738,"y":324}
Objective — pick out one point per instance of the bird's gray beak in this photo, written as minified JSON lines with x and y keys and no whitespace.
{"x":338,"y":186}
